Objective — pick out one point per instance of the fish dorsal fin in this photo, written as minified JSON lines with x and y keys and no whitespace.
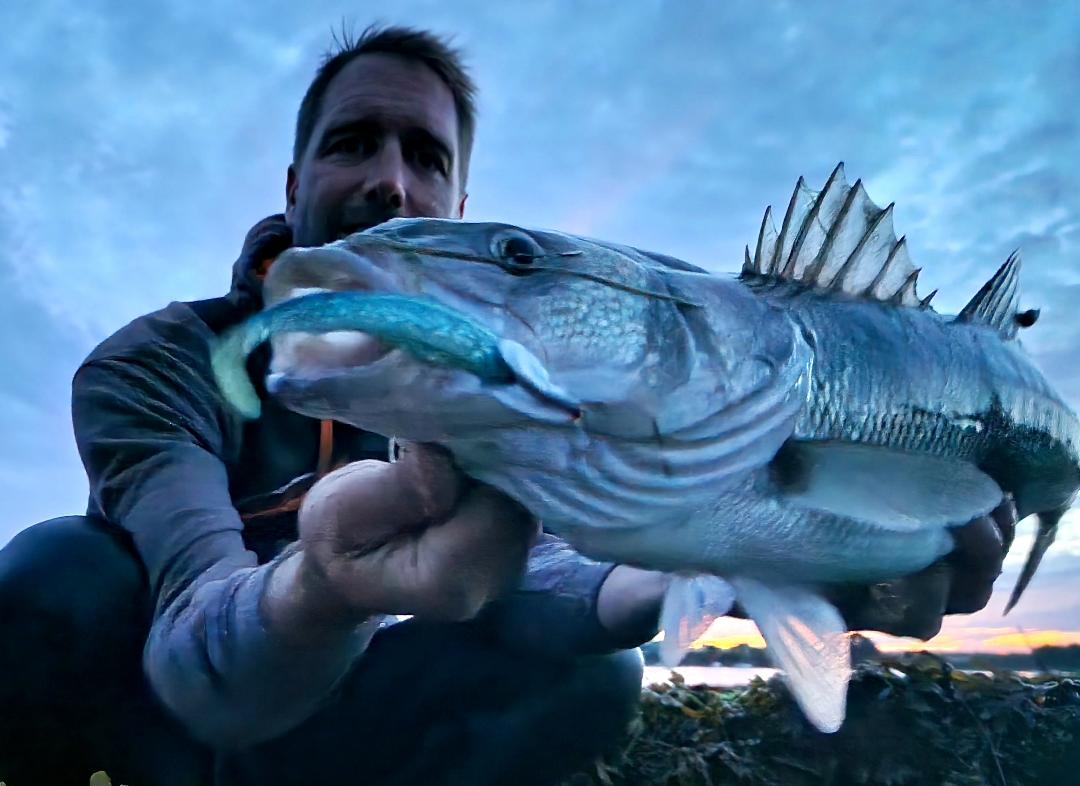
{"x":837,"y":240}
{"x":997,"y":304}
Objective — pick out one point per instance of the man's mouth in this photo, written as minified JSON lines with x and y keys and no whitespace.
{"x":351,"y":230}
{"x":352,"y":227}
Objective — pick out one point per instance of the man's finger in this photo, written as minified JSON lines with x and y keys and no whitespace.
{"x":1005,"y":516}
{"x":977,"y":559}
{"x":369,"y":501}
{"x":485,"y":528}
{"x":908,"y":606}
{"x":268,"y":238}
{"x":274,"y":223}
{"x":473,"y":557}
{"x":979,"y":546}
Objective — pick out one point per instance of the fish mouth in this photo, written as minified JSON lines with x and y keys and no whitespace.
{"x":329,"y":268}
{"x":308,"y":354}
{"x":327,"y":376}
{"x":301,"y":359}
{"x":307,"y":367}
{"x":311,"y":355}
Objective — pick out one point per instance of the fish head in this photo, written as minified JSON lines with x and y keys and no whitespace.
{"x":624,"y":363}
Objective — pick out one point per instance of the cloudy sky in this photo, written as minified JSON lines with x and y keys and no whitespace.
{"x":138,"y":142}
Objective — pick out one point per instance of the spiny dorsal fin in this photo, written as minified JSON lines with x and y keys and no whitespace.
{"x":800,"y":202}
{"x":837,"y":240}
{"x":748,"y":264}
{"x":809,"y":239}
{"x":766,"y":242}
{"x":997,"y":304}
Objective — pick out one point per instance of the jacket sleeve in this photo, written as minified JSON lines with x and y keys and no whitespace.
{"x":554,"y":610}
{"x":152,"y":433}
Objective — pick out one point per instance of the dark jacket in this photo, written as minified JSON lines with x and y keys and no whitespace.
{"x":190,"y":482}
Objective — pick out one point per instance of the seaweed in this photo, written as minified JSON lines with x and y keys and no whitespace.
{"x":912,"y":720}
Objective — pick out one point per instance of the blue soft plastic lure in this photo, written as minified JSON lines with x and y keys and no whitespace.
{"x":426,"y":330}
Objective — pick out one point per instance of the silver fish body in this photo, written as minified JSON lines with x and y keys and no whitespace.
{"x":810,"y":423}
{"x":915,"y":380}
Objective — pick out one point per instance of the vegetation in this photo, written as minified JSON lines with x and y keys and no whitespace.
{"x":911,"y":721}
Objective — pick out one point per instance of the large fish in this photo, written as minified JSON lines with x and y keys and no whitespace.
{"x":810,"y":423}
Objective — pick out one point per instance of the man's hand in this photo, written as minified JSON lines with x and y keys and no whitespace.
{"x":262,"y":244}
{"x":265,"y":241}
{"x":412,"y":537}
{"x":629,"y":603}
{"x":960,"y":583}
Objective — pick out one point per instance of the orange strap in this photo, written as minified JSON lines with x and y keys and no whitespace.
{"x":326,"y":427}
{"x":326,"y":447}
{"x":263,"y":267}
{"x":326,"y":452}
{"x":289,"y":506}
{"x":326,"y":439}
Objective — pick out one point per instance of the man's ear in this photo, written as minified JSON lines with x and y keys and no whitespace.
{"x":461,"y":205}
{"x":291,"y":180}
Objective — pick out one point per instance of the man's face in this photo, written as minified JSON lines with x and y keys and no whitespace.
{"x":385,"y":144}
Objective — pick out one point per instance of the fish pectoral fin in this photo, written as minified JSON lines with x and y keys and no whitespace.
{"x":806,"y":638}
{"x":891,"y":488}
{"x":691,"y":604}
{"x":530,"y":373}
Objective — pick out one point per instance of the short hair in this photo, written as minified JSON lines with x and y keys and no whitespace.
{"x":410,"y":43}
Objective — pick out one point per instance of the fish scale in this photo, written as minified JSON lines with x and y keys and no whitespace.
{"x":935,"y":433}
{"x":888,"y":419}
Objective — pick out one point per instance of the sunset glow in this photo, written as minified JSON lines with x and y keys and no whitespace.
{"x":1022,"y":642}
{"x":728,"y":633}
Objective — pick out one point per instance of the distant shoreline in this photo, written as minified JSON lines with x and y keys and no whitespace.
{"x":742,"y":657}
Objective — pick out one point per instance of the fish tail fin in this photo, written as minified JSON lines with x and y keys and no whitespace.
{"x":1044,"y":536}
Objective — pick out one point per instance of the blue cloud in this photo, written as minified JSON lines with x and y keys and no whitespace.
{"x":138,"y":145}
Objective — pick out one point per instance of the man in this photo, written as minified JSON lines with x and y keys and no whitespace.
{"x":215,"y":617}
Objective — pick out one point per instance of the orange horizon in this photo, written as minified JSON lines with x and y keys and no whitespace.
{"x":1003,"y":640}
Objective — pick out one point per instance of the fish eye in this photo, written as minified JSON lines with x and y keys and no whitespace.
{"x":517,"y":248}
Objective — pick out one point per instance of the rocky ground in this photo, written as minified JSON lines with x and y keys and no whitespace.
{"x":911,"y":721}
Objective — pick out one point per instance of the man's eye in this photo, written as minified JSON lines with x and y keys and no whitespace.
{"x":350,"y":145}
{"x":430,"y":161}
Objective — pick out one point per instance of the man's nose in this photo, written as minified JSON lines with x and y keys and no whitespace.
{"x":387,"y":185}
